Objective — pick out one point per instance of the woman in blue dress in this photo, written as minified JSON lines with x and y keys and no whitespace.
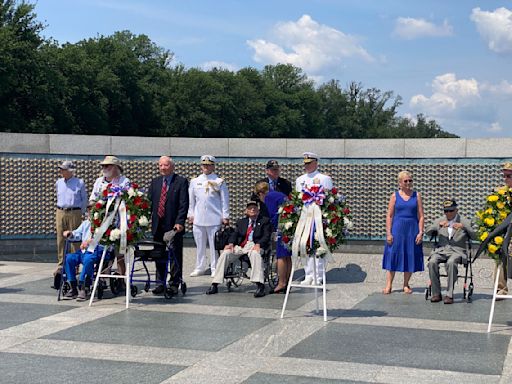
{"x":404,"y":233}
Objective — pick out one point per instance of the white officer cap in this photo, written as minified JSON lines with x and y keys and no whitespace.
{"x":310,"y":157}
{"x":207,"y":159}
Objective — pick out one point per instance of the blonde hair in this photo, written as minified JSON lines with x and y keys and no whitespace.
{"x":261,"y":186}
{"x":403,"y":174}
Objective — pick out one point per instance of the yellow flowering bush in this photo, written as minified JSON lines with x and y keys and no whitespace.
{"x":497,"y":207}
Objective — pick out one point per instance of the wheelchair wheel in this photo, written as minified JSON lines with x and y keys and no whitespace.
{"x":470,"y":293}
{"x":271,"y":272}
{"x":168,"y":293}
{"x":183,"y":288}
{"x":115,"y":284}
{"x":65,"y":288}
{"x":228,"y":285}
{"x":100,"y":290}
{"x":428,"y":292}
{"x":134,"y":290}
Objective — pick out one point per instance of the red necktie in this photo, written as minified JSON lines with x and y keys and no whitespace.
{"x":247,"y":234}
{"x":161,"y":203}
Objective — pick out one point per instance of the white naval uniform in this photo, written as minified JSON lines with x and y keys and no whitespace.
{"x":306,"y":180}
{"x":209,"y":205}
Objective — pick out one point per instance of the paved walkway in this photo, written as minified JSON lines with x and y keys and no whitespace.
{"x":235,"y":338}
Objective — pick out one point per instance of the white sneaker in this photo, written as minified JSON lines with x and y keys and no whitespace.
{"x":308,"y":280}
{"x":196,"y":272}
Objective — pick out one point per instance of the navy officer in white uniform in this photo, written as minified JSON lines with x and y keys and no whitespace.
{"x":313,"y":176}
{"x":208,"y":210}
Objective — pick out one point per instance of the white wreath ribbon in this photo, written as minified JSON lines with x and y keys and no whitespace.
{"x":309,"y":215}
{"x":107,"y":221}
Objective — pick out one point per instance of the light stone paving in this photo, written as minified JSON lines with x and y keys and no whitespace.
{"x":261,"y":350}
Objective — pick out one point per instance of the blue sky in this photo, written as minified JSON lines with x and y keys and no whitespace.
{"x":449,"y":60}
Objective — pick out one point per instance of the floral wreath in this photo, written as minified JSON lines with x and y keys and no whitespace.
{"x":136,"y":216}
{"x":335,"y":218}
{"x":497,"y":208}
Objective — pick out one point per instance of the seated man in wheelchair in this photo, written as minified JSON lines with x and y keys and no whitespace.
{"x":251,"y":237}
{"x":453,"y":231}
{"x":82,"y":256}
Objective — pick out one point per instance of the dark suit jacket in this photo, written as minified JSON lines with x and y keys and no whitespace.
{"x":283,"y":185}
{"x":261,"y":235}
{"x":176,"y":204}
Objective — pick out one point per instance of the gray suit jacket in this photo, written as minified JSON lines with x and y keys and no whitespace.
{"x":457,"y":244}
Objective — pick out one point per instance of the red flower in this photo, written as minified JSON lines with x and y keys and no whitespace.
{"x":346,"y":211}
{"x":331,"y":207}
{"x":334,"y":191}
{"x":105,"y":193}
{"x":335,"y":219}
{"x":331,"y":240}
{"x":97,"y":222}
{"x":98,"y":205}
{"x":144,"y":205}
{"x":135,"y":185}
{"x":133,"y":218}
{"x":129,"y":236}
{"x":137,"y":201}
{"x":288,"y":208}
{"x":107,"y":232}
{"x":286,"y":239}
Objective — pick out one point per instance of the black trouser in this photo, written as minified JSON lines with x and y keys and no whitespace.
{"x":176,"y":267}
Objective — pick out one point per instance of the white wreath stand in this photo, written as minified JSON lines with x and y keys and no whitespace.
{"x":314,"y":286}
{"x":491,"y":315}
{"x":126,"y":277}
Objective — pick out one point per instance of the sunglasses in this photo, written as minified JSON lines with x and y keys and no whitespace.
{"x":407,"y":181}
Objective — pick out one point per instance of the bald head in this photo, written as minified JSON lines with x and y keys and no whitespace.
{"x":165,"y":165}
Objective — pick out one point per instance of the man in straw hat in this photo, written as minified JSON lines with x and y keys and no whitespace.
{"x":312,"y":176}
{"x":208,"y":210}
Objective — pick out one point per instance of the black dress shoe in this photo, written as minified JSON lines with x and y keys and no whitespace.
{"x":260,"y":292}
{"x":212,"y":290}
{"x":281,"y":290}
{"x":158,"y":290}
{"x":448,"y":300}
{"x":435,"y":299}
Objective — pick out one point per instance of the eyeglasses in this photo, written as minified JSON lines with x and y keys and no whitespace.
{"x":407,"y":181}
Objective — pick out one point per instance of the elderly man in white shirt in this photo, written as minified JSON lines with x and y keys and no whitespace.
{"x":313,"y":176}
{"x":208,"y":210}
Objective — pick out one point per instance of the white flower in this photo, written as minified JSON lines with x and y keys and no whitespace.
{"x":143,"y":221}
{"x":96,"y":216}
{"x":300,"y":196}
{"x":280,"y":210}
{"x":115,"y":234}
{"x":348,"y":223}
{"x":96,"y":231}
{"x":325,"y":214}
{"x":131,"y":192}
{"x":328,"y":232}
{"x":140,"y":193}
{"x":331,"y":199}
{"x":321,"y":251}
{"x":288,"y":225}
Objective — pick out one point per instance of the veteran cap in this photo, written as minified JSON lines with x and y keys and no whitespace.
{"x":67,"y":165}
{"x":507,"y":166}
{"x":272,"y":164}
{"x":207,"y":159}
{"x":449,"y":205}
{"x":309,"y":157}
{"x":252,"y":202}
{"x":112,"y":160}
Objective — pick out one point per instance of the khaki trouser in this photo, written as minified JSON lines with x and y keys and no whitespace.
{"x":66,"y":221}
{"x":227,"y":257}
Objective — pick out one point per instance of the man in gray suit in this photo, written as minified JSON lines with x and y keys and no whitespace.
{"x":453,"y":232}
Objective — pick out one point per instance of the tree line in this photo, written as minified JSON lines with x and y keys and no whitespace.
{"x":125,"y":84}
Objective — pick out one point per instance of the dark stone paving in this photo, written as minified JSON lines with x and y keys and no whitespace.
{"x":36,"y":287}
{"x":5,"y":275}
{"x":415,"y":306}
{"x":13,"y":368}
{"x":268,"y":378}
{"x":12,"y":314}
{"x":160,"y":329}
{"x":415,"y":348}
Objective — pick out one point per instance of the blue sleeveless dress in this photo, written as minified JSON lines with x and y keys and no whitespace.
{"x":404,"y":255}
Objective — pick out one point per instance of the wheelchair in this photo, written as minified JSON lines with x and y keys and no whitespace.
{"x":154,"y":251}
{"x":115,"y":284}
{"x":467,"y":289}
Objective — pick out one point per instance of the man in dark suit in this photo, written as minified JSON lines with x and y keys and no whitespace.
{"x":251,"y":237}
{"x":275,"y":182}
{"x":169,"y":197}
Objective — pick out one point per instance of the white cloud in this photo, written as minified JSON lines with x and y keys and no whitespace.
{"x":409,"y":28}
{"x":448,"y":95}
{"x":466,"y":107}
{"x":308,"y":45}
{"x":495,"y":28}
{"x":220,"y":65}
